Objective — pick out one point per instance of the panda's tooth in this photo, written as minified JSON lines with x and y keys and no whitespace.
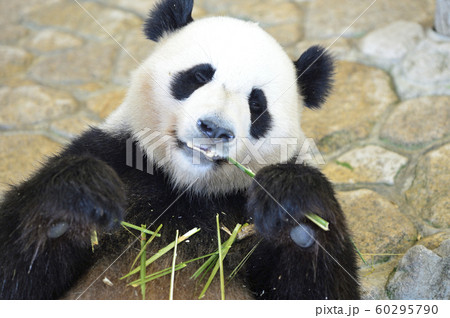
{"x":206,"y":152}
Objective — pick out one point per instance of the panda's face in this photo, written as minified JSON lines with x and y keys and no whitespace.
{"x":218,"y":86}
{"x":222,"y":85}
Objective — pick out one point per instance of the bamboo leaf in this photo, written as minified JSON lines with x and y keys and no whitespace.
{"x":242,"y":262}
{"x":146,"y":245}
{"x":317,"y":220}
{"x":138,"y":228}
{"x":163,"y":251}
{"x":224,"y":252}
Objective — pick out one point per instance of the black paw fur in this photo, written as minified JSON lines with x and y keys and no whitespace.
{"x":70,"y":195}
{"x":282,"y":194}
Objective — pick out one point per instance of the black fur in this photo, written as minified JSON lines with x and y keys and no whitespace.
{"x":80,"y":191}
{"x":168,"y":16}
{"x":315,"y":70}
{"x":86,"y":187}
{"x":187,"y":82}
{"x":260,"y":117}
{"x":279,"y":198}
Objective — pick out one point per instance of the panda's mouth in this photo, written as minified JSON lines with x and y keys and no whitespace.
{"x":206,"y":151}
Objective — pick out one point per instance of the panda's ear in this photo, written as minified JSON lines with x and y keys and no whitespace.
{"x":315,"y":70}
{"x":168,"y":16}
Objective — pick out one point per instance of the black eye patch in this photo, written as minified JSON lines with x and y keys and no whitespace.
{"x":186,"y":82}
{"x":260,"y":117}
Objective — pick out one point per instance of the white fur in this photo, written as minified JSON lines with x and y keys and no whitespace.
{"x":244,"y":57}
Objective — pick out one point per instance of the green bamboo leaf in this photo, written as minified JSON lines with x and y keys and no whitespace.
{"x":146,"y":245}
{"x":317,"y":220}
{"x":138,"y":228}
{"x":163,"y":251}
{"x":224,"y":252}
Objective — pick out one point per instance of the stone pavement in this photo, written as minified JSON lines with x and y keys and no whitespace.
{"x":384,"y":133}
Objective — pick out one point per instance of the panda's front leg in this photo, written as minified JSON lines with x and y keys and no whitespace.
{"x":296,"y":259}
{"x":46,"y":225}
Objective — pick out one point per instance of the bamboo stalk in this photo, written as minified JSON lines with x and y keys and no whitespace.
{"x":138,"y":228}
{"x":222,"y":279}
{"x":172,"y":276}
{"x":143,"y":258}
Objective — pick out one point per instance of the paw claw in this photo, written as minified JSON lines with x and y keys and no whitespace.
{"x":56,"y":230}
{"x":303,"y":235}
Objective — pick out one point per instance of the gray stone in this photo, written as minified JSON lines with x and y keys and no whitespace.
{"x":51,"y":40}
{"x":32,"y":104}
{"x":70,"y":127}
{"x":331,"y":18}
{"x":407,"y":125}
{"x":138,"y":48}
{"x":13,"y":61}
{"x":373,"y":278}
{"x":11,"y":12}
{"x":286,"y":34}
{"x":442,"y":17}
{"x":276,"y":12}
{"x":444,"y":249}
{"x":341,"y":49}
{"x":392,"y":41}
{"x":368,"y":164}
{"x":433,"y":241}
{"x":421,"y":274}
{"x":22,"y":154}
{"x":428,"y":196}
{"x":360,"y":97}
{"x":85,"y":18}
{"x":13,"y":33}
{"x":424,"y":71}
{"x":140,"y":7}
{"x":91,"y":62}
{"x":379,"y":229}
{"x":105,"y":103}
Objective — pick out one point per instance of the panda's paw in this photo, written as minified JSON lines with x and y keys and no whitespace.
{"x":281,"y":196}
{"x":72,"y":195}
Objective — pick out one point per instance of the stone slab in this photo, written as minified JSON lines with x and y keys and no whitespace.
{"x":417,"y":122}
{"x":360,"y":97}
{"x":380,"y":230}
{"x":369,"y":164}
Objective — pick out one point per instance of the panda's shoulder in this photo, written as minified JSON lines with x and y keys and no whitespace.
{"x":99,"y":143}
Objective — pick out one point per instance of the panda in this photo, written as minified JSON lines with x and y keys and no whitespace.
{"x":219,"y":86}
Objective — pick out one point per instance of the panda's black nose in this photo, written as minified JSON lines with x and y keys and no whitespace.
{"x":213,"y":130}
